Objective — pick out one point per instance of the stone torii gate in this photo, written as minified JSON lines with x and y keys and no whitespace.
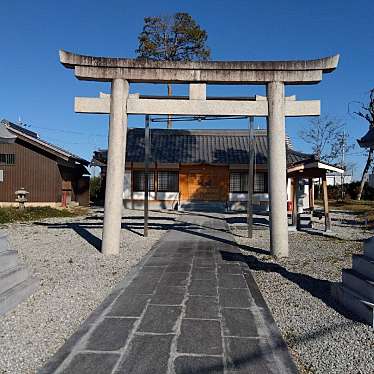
{"x":275,"y":106}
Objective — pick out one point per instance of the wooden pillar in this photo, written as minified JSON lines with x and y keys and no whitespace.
{"x":294,"y":201}
{"x":326,"y":204}
{"x":155,"y":180}
{"x":311,"y":194}
{"x":132,"y":184}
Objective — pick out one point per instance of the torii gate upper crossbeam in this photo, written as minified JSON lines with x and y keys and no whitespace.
{"x":212,"y":72}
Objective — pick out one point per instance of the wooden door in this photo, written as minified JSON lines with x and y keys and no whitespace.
{"x":209,"y":183}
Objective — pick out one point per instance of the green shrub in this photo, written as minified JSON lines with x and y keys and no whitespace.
{"x":8,"y":215}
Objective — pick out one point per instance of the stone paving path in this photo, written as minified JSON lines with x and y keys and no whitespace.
{"x":191,"y":307}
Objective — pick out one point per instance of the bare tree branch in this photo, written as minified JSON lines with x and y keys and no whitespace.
{"x":367,"y":113}
{"x":327,"y":137}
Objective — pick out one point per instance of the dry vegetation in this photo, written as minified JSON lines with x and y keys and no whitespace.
{"x":8,"y":215}
{"x":363,"y":210}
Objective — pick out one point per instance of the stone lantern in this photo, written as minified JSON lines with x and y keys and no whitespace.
{"x":21,"y":197}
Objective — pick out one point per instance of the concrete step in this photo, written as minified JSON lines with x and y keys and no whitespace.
{"x":4,"y":244}
{"x":12,"y":277}
{"x":15,"y":295}
{"x":203,"y":206}
{"x":359,"y":284}
{"x":8,"y":260}
{"x":304,"y":221}
{"x":369,"y":248}
{"x":363,"y":265}
{"x":354,"y":303}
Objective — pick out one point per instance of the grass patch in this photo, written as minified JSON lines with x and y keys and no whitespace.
{"x":362,"y":206}
{"x":8,"y":215}
{"x":363,"y":209}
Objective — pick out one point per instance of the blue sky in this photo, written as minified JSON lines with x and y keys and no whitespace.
{"x":37,"y":89}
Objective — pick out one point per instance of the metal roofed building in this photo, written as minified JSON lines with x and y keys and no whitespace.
{"x":51,"y":175}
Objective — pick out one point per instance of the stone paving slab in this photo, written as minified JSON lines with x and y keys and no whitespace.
{"x":146,"y":354}
{"x":191,"y":364}
{"x":191,"y":306}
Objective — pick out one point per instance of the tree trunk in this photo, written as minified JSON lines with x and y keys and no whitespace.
{"x":365,"y":173}
{"x":170,"y":122}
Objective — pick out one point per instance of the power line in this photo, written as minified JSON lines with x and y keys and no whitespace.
{"x":64,"y":142}
{"x":197,"y":118}
{"x":65,"y":131}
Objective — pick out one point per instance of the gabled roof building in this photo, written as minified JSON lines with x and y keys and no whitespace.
{"x":195,"y":167}
{"x":51,"y":175}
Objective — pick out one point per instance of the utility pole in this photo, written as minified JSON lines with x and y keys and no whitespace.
{"x":343,"y":165}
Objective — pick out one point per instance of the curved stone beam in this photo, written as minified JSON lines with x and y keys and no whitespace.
{"x":218,"y":72}
{"x":326,"y":64}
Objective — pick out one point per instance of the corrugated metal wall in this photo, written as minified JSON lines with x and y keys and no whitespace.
{"x":34,"y":171}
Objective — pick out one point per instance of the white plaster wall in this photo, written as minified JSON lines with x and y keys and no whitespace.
{"x":237,"y":196}
{"x":306,"y":197}
{"x":289,"y":186}
{"x":141,"y":195}
{"x":168,"y":196}
{"x":257,"y":197}
{"x":127,"y":185}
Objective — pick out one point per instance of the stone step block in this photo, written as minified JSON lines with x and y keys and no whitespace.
{"x":12,"y":277}
{"x":354,"y":303}
{"x":15,"y":295}
{"x":363,"y":265}
{"x":359,"y":284}
{"x":369,"y":248}
{"x":4,"y":244}
{"x":304,"y":221}
{"x":202,"y":206}
{"x":8,"y":260}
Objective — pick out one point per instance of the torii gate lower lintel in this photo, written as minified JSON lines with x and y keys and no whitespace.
{"x":275,"y":106}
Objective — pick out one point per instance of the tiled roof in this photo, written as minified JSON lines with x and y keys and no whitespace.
{"x":197,"y":146}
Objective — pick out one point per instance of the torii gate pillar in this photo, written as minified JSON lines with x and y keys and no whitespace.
{"x":277,"y":169}
{"x":115,"y":167}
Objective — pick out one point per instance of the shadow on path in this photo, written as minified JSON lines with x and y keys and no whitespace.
{"x":319,"y":288}
{"x":174,"y":223}
{"x":86,"y":235}
{"x":82,"y":229}
{"x":258,"y":355}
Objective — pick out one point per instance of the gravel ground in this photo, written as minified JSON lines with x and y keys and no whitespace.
{"x":320,"y":337}
{"x":74,"y":280}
